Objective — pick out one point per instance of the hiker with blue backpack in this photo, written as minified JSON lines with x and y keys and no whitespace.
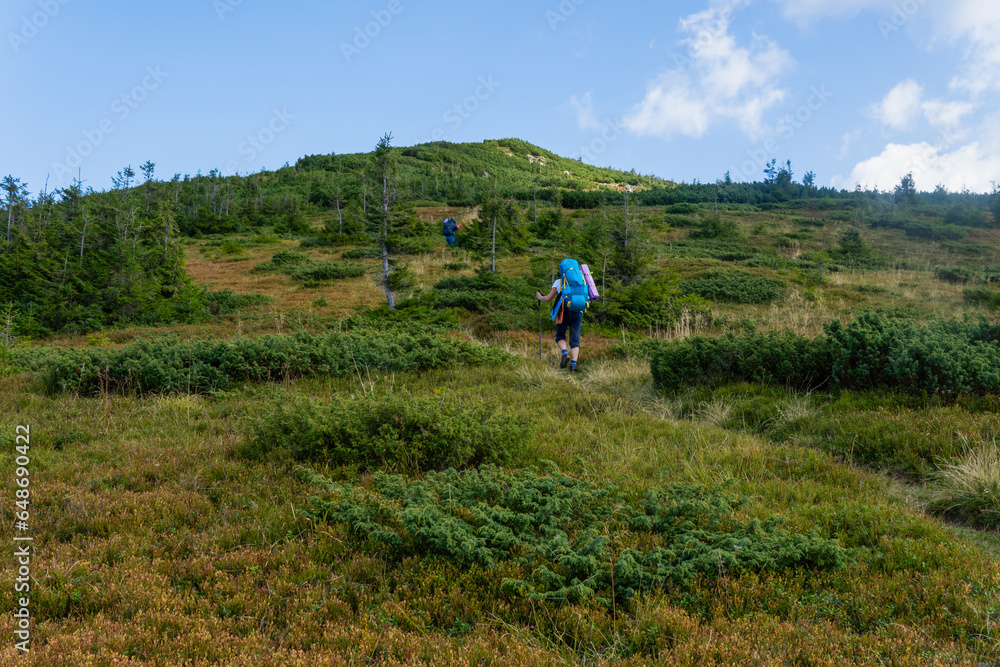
{"x":575,"y":288}
{"x":448,"y":230}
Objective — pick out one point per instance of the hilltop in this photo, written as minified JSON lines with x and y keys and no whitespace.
{"x":447,"y":172}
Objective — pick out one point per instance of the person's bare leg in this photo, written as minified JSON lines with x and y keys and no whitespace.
{"x":574,"y":353}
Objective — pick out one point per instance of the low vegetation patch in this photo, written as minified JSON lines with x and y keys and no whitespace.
{"x":309,"y":271}
{"x":398,"y":433}
{"x":981,"y":296}
{"x":931,"y":231}
{"x":571,"y":538}
{"x":945,"y":358}
{"x":734,"y":286}
{"x":508,"y":303}
{"x":170,"y":365}
{"x":227,"y":301}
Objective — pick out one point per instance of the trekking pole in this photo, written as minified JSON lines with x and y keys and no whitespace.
{"x":539,"y":330}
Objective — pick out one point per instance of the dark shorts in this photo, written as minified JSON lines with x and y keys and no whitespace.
{"x":573,"y":322}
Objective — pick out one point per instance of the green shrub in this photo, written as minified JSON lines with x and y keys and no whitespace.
{"x":966,"y":215}
{"x":227,"y":301}
{"x":399,"y":432}
{"x":286,"y":258}
{"x":947,"y":358}
{"x":231,"y":247}
{"x":752,"y":357}
{"x":508,"y":302}
{"x":982,"y":296}
{"x":872,"y":352}
{"x":656,"y":302}
{"x":456,"y":266}
{"x":305,"y":270}
{"x":953,"y":274}
{"x":854,"y":252}
{"x":265,"y":238}
{"x":932,"y":231}
{"x":169,"y":365}
{"x":726,"y":250}
{"x":555,"y":529}
{"x":734,"y":286}
{"x":967,"y":247}
{"x":716,"y":228}
{"x":358,"y":253}
{"x":682,"y":208}
{"x":680,"y":221}
{"x":315,"y":272}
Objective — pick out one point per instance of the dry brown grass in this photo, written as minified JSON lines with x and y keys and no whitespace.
{"x":344,"y":296}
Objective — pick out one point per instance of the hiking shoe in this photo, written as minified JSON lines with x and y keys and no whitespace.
{"x":572,"y":368}
{"x":564,"y":362}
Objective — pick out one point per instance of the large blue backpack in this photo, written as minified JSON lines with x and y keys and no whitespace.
{"x":573,"y":296}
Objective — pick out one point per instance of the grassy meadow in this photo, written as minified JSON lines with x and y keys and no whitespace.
{"x":505,"y":512}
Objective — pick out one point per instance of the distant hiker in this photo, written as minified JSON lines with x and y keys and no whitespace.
{"x":449,"y":229}
{"x":571,"y":286}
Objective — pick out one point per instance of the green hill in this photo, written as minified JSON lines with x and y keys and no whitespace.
{"x":780,"y":447}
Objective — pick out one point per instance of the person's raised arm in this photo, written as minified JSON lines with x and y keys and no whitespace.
{"x":551,"y":295}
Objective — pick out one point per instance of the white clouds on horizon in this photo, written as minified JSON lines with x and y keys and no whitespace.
{"x":942,"y":158}
{"x":724,"y":80}
{"x":970,"y":166}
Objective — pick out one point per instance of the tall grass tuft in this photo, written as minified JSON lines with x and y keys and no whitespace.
{"x":970,"y":489}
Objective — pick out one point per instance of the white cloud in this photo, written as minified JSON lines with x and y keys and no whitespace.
{"x":905,"y":104}
{"x":970,"y":166}
{"x":723,"y":80}
{"x":946,"y":114}
{"x":975,"y":25}
{"x":900,"y":108}
{"x":670,"y":107}
{"x":584,"y":108}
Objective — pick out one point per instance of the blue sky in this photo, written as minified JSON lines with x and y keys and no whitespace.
{"x":856,"y":91}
